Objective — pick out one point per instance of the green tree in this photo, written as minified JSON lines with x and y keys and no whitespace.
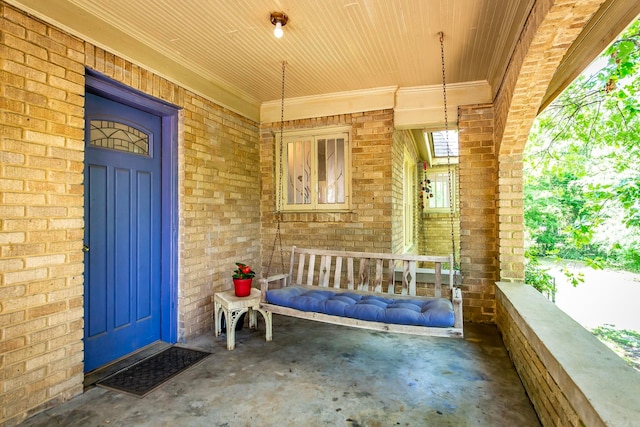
{"x":582,"y":163}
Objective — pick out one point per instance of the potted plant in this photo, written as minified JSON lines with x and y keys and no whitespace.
{"x":242,"y":279}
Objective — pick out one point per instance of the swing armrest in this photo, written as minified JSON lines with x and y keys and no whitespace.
{"x":456,"y":299}
{"x":264,"y":284}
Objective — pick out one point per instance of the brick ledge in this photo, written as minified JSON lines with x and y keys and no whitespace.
{"x":600,"y":386}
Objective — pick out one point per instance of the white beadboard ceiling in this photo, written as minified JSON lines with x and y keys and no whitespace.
{"x":330,"y":46}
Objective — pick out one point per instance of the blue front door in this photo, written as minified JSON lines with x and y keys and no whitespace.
{"x":122,"y":230}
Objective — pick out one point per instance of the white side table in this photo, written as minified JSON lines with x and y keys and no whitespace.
{"x":232,"y":306}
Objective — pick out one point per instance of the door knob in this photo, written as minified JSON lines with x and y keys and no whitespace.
{"x":85,"y":248}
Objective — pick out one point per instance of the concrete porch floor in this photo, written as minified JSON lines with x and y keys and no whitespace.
{"x":315,"y":374}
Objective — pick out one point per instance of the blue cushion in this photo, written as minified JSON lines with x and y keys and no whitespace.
{"x":283,"y":296}
{"x":351,"y":295}
{"x":311,"y":301}
{"x":373,"y":311}
{"x":336,"y":305}
{"x":436,"y":312}
{"x":406,"y":306}
{"x":403,"y":316}
{"x":379,"y":301}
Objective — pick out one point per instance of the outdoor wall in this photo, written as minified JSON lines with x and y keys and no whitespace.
{"x":435,"y":233}
{"x":478,"y":227}
{"x":571,"y":377}
{"x":219,"y":207}
{"x":226,"y":169}
{"x":42,"y":204}
{"x":435,"y":228}
{"x":218,"y":190}
{"x":551,"y":28}
{"x":546,"y":396}
{"x":403,"y":142}
{"x":367,"y":227}
{"x":41,"y":225}
{"x":397,"y":196}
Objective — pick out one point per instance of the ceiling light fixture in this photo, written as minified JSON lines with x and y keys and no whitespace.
{"x":279,"y":19}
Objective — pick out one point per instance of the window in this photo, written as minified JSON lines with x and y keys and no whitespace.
{"x":439,"y":189}
{"x":443,"y":152}
{"x":443,"y":143}
{"x":316,"y":167}
{"x":118,"y":136}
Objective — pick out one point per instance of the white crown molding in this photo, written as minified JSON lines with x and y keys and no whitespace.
{"x":414,"y":107}
{"x":423,"y":107}
{"x":329,"y":104}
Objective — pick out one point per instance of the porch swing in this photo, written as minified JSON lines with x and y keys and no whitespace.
{"x":375,"y":291}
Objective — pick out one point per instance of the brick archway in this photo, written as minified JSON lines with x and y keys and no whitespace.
{"x":492,"y":139}
{"x":550,"y":30}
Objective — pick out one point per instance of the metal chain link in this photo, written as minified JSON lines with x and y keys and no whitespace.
{"x":278,"y":213}
{"x":450,"y":175}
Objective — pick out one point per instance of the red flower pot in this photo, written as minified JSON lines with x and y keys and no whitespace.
{"x":242,"y":287}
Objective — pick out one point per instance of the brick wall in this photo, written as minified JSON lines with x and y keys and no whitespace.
{"x":41,"y":221}
{"x":397,"y":193}
{"x":550,"y":29}
{"x":218,"y":190}
{"x":402,"y":142}
{"x":435,"y":234}
{"x":219,"y":207}
{"x":221,"y":192}
{"x":511,"y":217}
{"x":571,"y":377}
{"x":478,"y":236}
{"x":368,"y":226}
{"x":41,"y":192}
{"x":545,"y":394}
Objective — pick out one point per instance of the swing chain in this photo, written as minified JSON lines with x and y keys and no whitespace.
{"x":278,"y":213}
{"x":446,"y":135}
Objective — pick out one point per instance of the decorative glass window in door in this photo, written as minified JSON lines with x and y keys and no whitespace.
{"x":118,"y":136}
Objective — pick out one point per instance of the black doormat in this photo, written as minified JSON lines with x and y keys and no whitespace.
{"x":150,"y":373}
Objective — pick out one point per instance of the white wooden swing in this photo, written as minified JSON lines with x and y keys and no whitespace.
{"x":320,"y":278}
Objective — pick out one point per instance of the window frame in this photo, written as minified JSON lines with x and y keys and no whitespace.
{"x":452,"y":188}
{"x":282,"y":175}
